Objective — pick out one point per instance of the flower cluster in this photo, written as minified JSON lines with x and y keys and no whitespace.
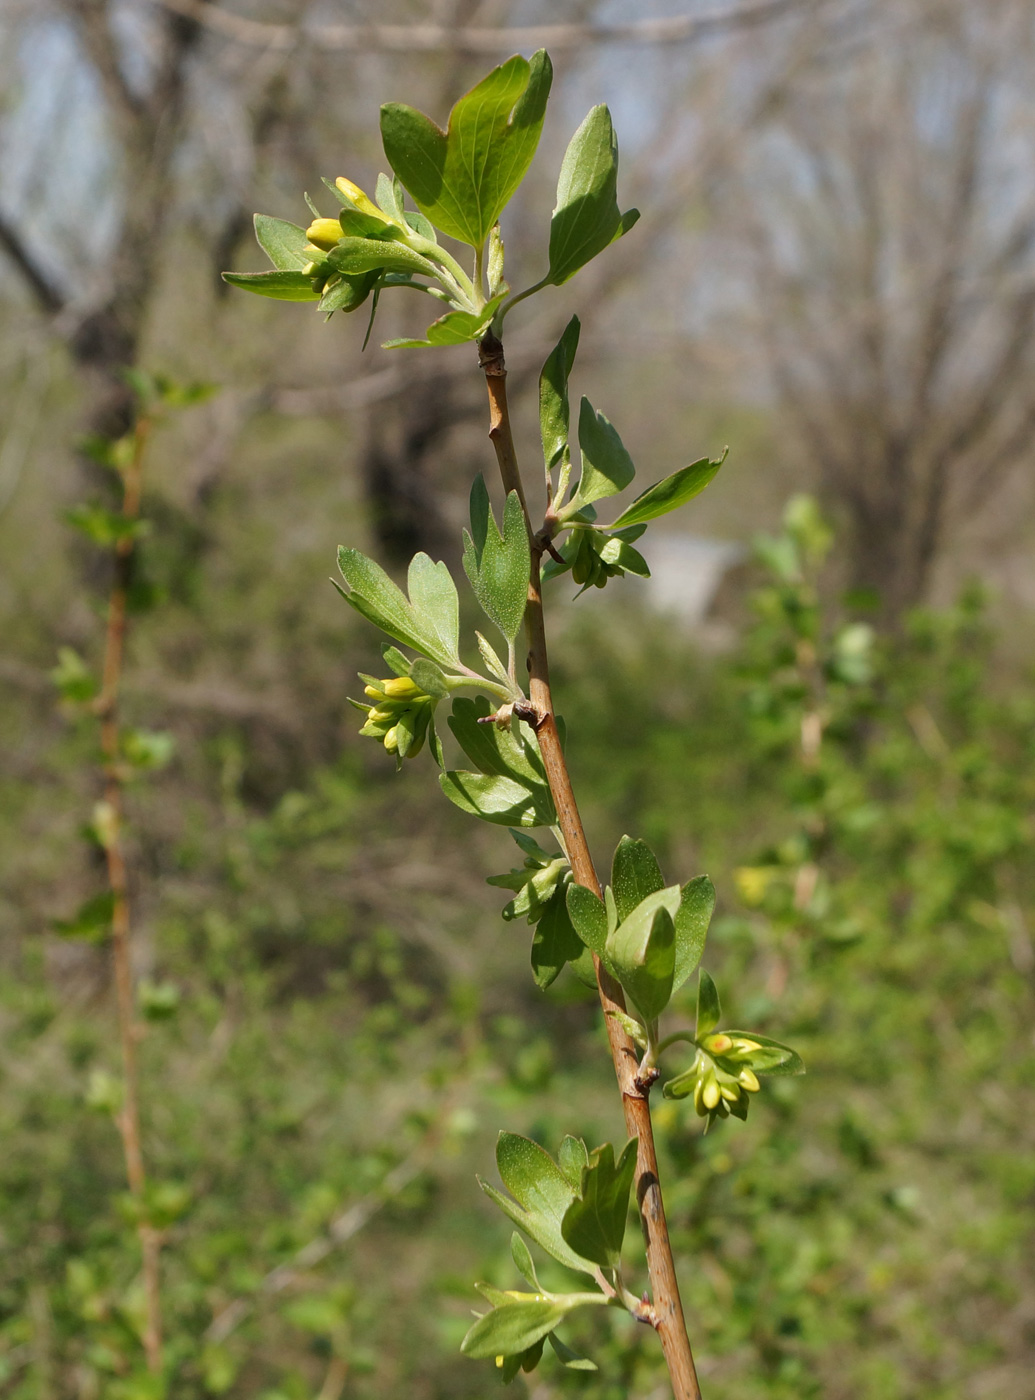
{"x":721,"y":1076}
{"x":400,"y":716}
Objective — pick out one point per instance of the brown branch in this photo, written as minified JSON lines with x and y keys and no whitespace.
{"x":431,"y":38}
{"x":47,"y":297}
{"x":668,"y":1310}
{"x":121,"y":927}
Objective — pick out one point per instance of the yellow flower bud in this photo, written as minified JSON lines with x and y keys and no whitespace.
{"x":730,"y":1092}
{"x":710,"y":1094}
{"x":379,"y":716}
{"x":749,"y":1080}
{"x":374,"y":691}
{"x":324,"y":233}
{"x":400,"y":687}
{"x":392,"y":739}
{"x":359,"y":198}
{"x":718,"y":1044}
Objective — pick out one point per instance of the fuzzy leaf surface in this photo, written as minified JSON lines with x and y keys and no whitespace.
{"x":541,"y":1195}
{"x":671,"y":493}
{"x":554,"y":411}
{"x":606,"y":466}
{"x":428,"y":621}
{"x":462,"y":178}
{"x":280,"y":286}
{"x":496,"y":564}
{"x":594,"y":1223}
{"x":586,"y":217}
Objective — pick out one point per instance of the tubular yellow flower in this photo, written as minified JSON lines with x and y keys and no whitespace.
{"x":359,"y":198}
{"x":324,"y":233}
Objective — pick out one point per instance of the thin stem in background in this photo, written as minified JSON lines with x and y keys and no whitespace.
{"x":128,"y":1118}
{"x":667,"y":1313}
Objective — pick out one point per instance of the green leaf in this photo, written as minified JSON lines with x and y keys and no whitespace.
{"x":105,"y":527}
{"x":91,"y":921}
{"x":553,"y":396}
{"x":462,"y":178}
{"x":455,"y":328}
{"x":523,"y":1261}
{"x":606,"y":466}
{"x":281,"y":286}
{"x":709,"y":1008}
{"x":588,"y":916}
{"x":586,"y":217}
{"x":571,"y":1359}
{"x":642,"y":953}
{"x":555,"y":941}
{"x":542,"y":1194}
{"x":497,"y":564}
{"x":671,"y":493}
{"x":73,"y":678}
{"x":773,"y":1058}
{"x":594,"y":1223}
{"x":355,"y":255}
{"x":433,"y":598}
{"x":514,"y":1327}
{"x":635,"y":874}
{"x":696,"y":903}
{"x":428,"y":622}
{"x":283,"y":243}
{"x":495,"y":799}
{"x":347,"y":293}
{"x":429,"y":677}
{"x":513,"y":753}
{"x":571,"y":1158}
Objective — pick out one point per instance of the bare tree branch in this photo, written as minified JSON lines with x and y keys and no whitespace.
{"x":429,"y":38}
{"x":46,"y":295}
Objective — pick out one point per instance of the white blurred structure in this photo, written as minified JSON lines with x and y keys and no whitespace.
{"x":686,"y":571}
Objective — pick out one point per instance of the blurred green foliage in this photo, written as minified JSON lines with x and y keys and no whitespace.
{"x":336,"y":1021}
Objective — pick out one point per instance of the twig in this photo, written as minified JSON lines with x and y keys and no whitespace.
{"x":128,"y":1118}
{"x":341,"y":1229}
{"x":431,"y":38}
{"x":668,"y":1310}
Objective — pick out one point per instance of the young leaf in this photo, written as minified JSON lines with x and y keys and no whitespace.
{"x":691,"y":920}
{"x":496,"y":799}
{"x":773,"y":1058}
{"x":498,"y":565}
{"x":91,"y":921}
{"x":513,"y":753}
{"x":588,"y":916}
{"x":606,"y":466}
{"x":283,"y":243}
{"x":642,"y":952}
{"x":671,"y":493}
{"x":429,"y":623}
{"x":709,"y":1008}
{"x":455,"y":328}
{"x":434,"y":602}
{"x":462,"y":178}
{"x":571,"y":1359}
{"x":346,"y":293}
{"x":586,"y":218}
{"x":281,"y":286}
{"x":635,"y":874}
{"x":523,"y":1261}
{"x":555,"y":941}
{"x":514,"y":1327}
{"x":594,"y":1223}
{"x":542,"y":1194}
{"x":553,"y":396}
{"x":571,"y":1158}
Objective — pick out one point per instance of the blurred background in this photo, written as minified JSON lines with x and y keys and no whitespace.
{"x":834,"y":274}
